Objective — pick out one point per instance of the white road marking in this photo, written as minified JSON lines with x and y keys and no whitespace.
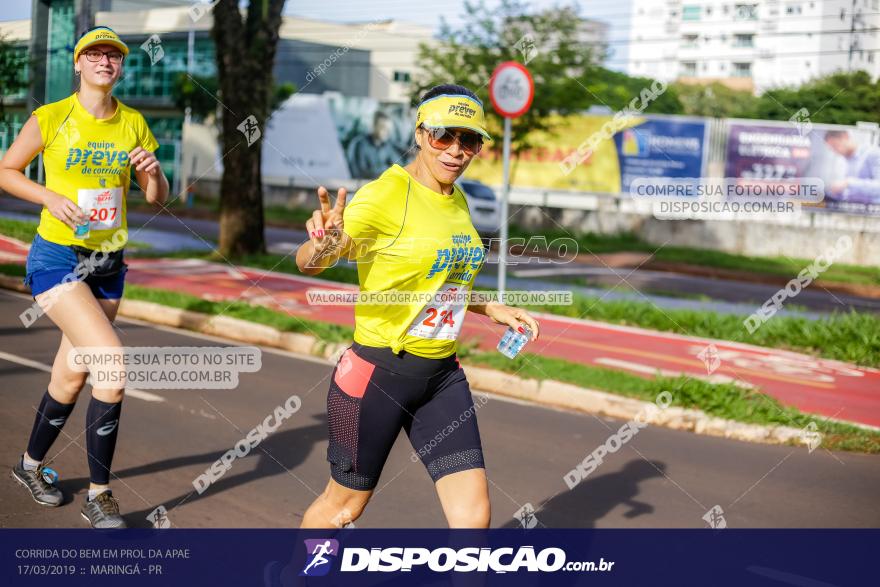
{"x":647,"y":369}
{"x":129,"y":392}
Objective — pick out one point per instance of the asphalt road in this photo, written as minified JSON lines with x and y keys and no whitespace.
{"x":661,"y":478}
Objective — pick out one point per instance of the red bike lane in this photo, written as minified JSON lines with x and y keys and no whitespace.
{"x":825,"y":387}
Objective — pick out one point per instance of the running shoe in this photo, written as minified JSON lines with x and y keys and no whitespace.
{"x":103,"y":512}
{"x":40,"y":482}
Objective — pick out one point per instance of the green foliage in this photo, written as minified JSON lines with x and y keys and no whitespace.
{"x":566,"y":72}
{"x":715,"y":100}
{"x":196,"y":92}
{"x":12,"y":62}
{"x":23,"y":230}
{"x":282,"y":92}
{"x":839,"y":98}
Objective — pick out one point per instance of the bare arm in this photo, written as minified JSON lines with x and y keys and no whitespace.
{"x":149,"y":176}
{"x":27,"y":145}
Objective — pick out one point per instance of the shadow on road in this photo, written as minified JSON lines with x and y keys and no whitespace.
{"x":279,"y":454}
{"x":592,"y":499}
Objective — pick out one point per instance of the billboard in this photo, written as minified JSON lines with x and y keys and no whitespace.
{"x":662,"y":147}
{"x":330,"y":137}
{"x":842,"y":157}
{"x":359,"y":138}
{"x":643,"y":146}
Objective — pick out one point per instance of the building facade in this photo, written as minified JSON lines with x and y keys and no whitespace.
{"x":170,"y":38}
{"x":755,"y":45}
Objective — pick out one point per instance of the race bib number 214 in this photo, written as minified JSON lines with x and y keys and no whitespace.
{"x":443,"y":317}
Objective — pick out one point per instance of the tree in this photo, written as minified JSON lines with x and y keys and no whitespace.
{"x":567,"y":74}
{"x":12,"y":64}
{"x":715,"y":100}
{"x":245,"y":46}
{"x":839,"y":98}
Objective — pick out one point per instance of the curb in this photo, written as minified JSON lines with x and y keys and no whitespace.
{"x":548,"y":392}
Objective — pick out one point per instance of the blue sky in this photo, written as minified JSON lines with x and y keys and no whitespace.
{"x":615,"y":12}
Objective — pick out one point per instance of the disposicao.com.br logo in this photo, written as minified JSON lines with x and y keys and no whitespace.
{"x":442,"y":560}
{"x":321,"y":553}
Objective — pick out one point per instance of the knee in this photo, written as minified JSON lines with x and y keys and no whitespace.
{"x":475,"y":513}
{"x":345,"y":508}
{"x":65,"y":388}
{"x":109,"y":395}
{"x":109,"y":376}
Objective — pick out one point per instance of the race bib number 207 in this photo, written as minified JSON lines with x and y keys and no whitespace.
{"x":103,"y":206}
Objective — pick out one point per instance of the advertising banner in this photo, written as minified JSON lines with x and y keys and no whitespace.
{"x":642,"y":146}
{"x":662,"y":147}
{"x":841,"y":157}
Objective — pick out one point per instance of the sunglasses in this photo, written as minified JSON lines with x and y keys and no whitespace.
{"x":441,"y":138}
{"x":95,"y":55}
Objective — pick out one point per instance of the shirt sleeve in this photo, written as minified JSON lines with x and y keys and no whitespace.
{"x":46,"y":122}
{"x":375,"y":213}
{"x":147,"y":141}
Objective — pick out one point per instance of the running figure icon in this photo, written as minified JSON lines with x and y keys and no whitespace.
{"x":318,"y":554}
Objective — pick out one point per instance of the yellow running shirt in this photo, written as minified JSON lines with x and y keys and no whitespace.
{"x":86,"y":160}
{"x":424,"y":243}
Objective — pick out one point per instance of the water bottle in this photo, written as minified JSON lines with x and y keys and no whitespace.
{"x":82,"y":230}
{"x":513,"y":341}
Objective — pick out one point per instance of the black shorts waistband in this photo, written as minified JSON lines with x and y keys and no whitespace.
{"x":404,"y":363}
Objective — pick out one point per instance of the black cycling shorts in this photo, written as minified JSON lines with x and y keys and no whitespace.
{"x":374,"y":393}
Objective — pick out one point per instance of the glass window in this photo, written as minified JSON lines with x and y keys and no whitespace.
{"x":746,"y":12}
{"x":688,"y":68}
{"x":59,"y":66}
{"x":690,"y":12}
{"x":743,"y":40}
{"x":742,"y":70}
{"x":142,"y":79}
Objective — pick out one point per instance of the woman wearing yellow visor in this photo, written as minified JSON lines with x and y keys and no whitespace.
{"x":90,"y":143}
{"x":418,"y":253}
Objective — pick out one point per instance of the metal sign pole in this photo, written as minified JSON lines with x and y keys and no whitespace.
{"x":505,"y":198}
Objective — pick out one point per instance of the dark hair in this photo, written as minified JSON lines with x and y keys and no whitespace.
{"x":454,"y":89}
{"x":379,"y":115}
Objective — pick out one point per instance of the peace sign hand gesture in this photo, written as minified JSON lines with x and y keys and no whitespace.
{"x":325,"y":225}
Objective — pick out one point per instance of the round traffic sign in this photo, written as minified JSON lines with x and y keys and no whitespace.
{"x":511,"y":89}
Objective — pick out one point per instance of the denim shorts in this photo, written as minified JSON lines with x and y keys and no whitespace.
{"x":50,"y":264}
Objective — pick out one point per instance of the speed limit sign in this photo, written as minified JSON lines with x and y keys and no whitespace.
{"x":511,"y":89}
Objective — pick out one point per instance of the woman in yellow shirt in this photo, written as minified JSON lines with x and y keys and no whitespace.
{"x":90,"y":143}
{"x":417,"y":254}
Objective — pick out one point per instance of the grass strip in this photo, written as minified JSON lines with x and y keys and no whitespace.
{"x":241,"y":310}
{"x":721,"y":400}
{"x":25,"y":230}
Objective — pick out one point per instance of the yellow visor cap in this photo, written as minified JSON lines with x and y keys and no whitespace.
{"x":99,"y":36}
{"x":453,"y":111}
